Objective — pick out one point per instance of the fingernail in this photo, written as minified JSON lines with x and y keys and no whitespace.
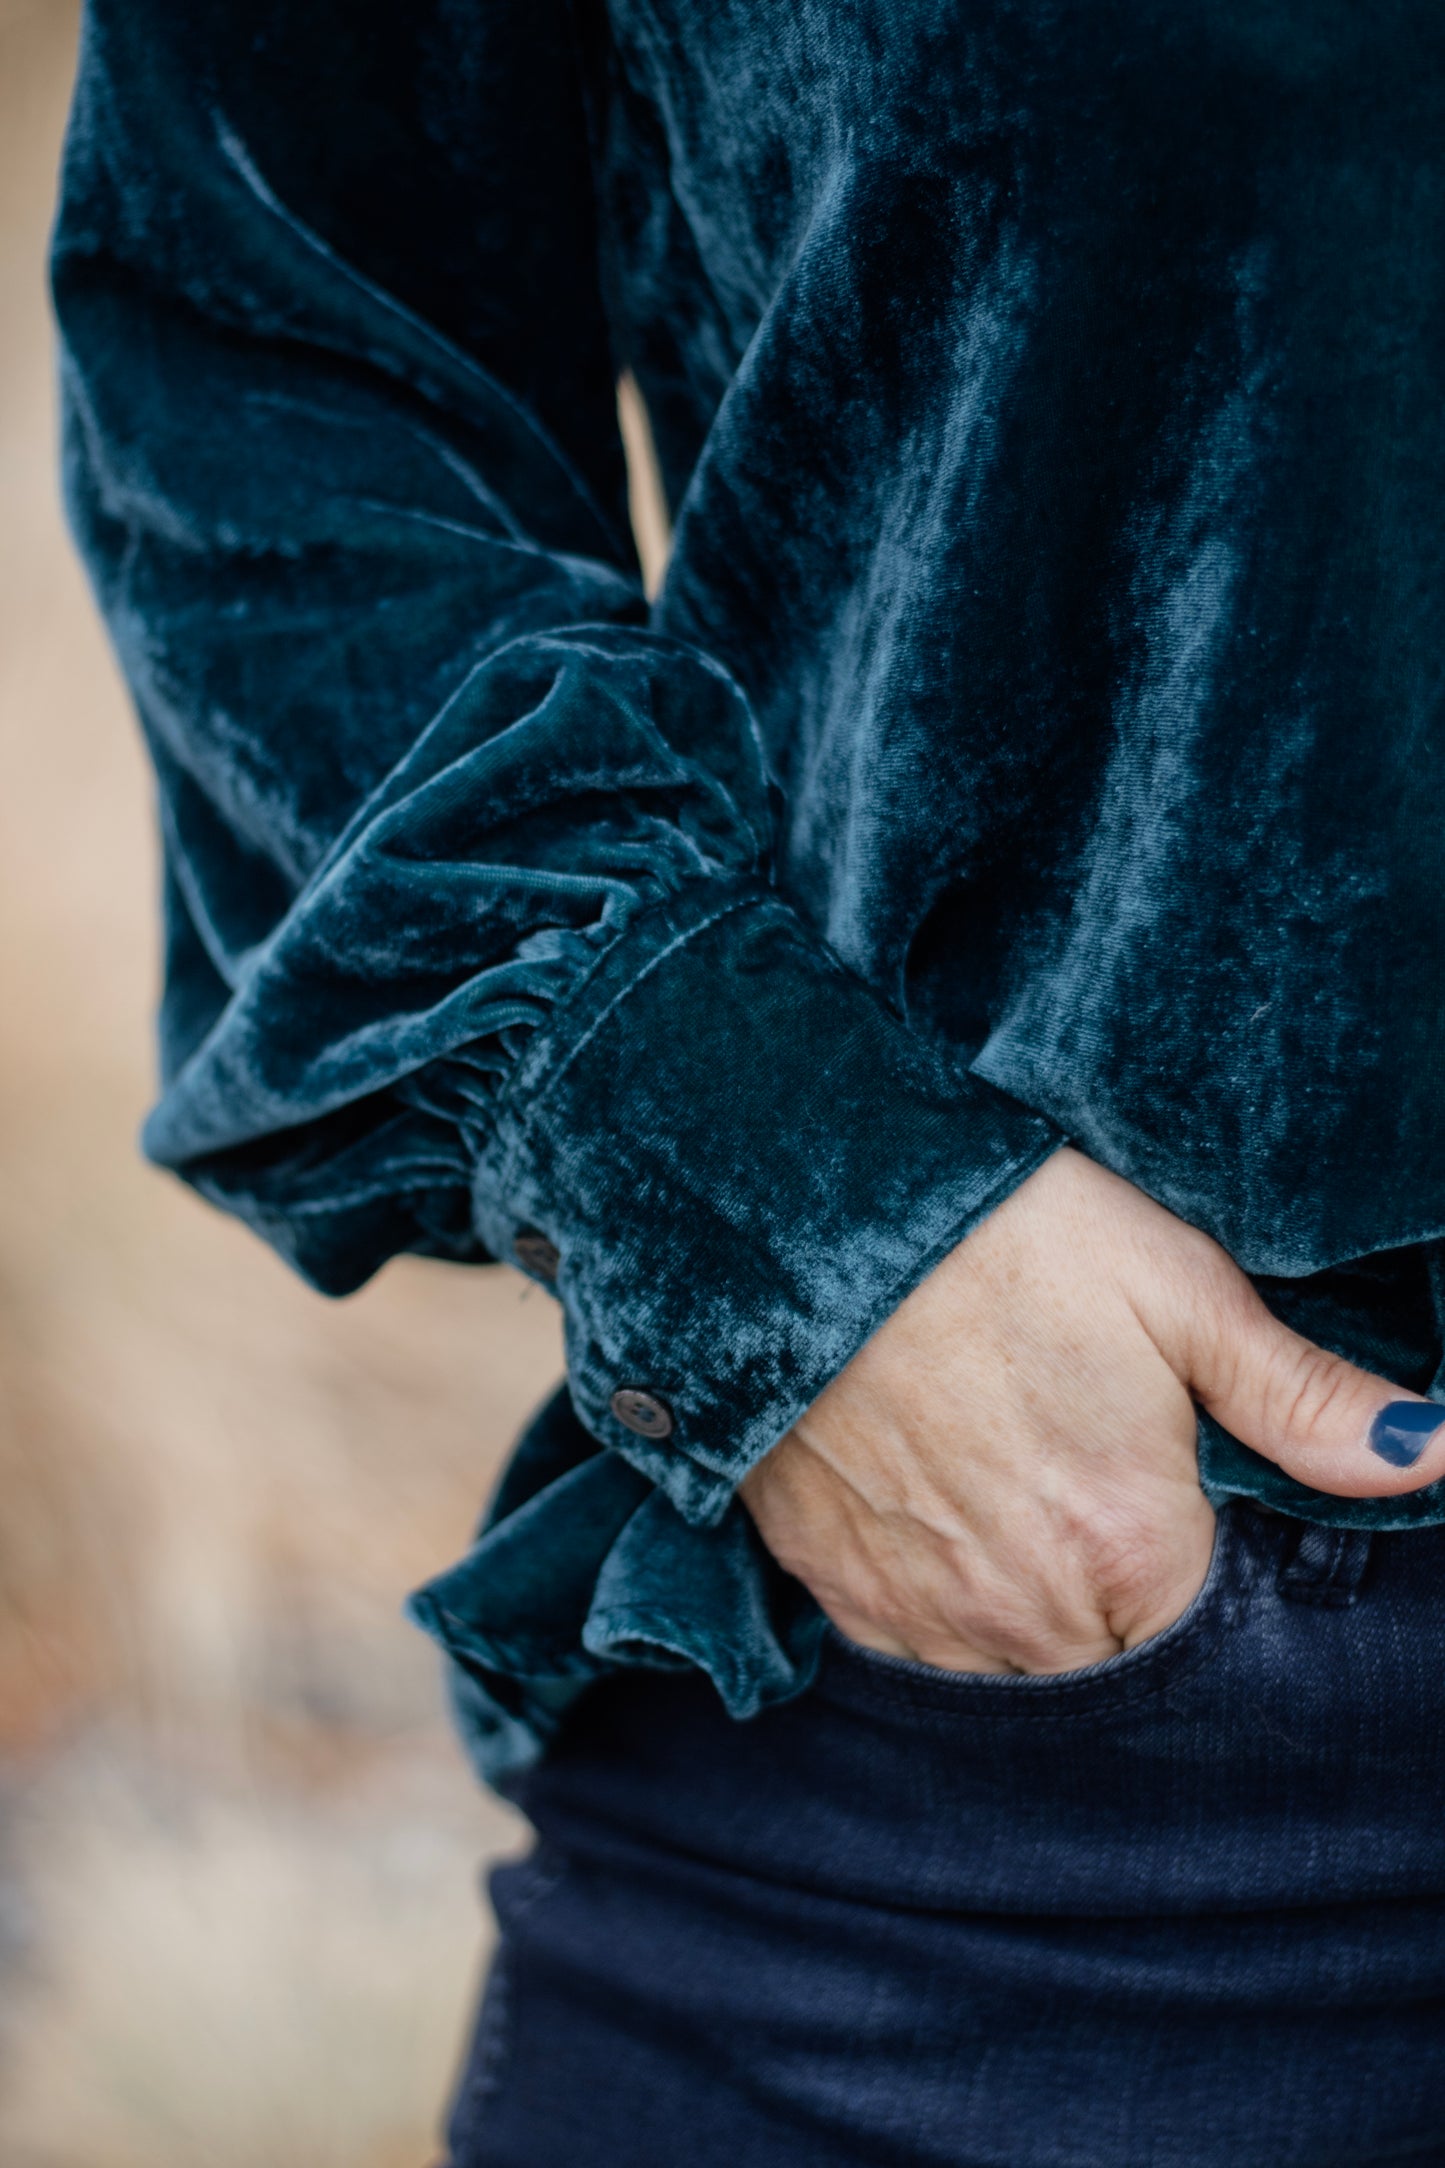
{"x":1402,"y":1430}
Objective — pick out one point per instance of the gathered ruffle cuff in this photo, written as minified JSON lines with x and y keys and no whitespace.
{"x":583,"y":1566}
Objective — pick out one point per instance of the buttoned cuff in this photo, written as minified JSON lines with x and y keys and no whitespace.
{"x":733,"y":1162}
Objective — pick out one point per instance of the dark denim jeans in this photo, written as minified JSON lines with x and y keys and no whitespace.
{"x":1185,"y":1908}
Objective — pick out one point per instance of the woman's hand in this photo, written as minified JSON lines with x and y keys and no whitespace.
{"x":1004,"y":1477}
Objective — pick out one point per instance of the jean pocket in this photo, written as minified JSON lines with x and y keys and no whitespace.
{"x":1235,"y":1562}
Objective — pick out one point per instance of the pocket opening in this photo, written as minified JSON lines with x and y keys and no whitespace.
{"x":1233,"y":1568}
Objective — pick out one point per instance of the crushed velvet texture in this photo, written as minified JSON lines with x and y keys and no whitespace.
{"x":1037,"y":735}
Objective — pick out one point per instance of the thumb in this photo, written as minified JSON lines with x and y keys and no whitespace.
{"x":1325,"y":1422}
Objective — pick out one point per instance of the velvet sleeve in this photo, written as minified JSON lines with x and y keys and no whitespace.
{"x":473,"y":942}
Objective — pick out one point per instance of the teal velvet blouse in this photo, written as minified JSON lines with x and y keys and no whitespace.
{"x":1039,"y":733}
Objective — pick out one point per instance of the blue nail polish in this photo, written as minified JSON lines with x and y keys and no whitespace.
{"x":1402,"y":1430}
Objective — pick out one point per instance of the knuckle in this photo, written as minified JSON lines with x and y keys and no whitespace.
{"x":858,"y":1595}
{"x":1225,"y":1323}
{"x":1132,"y":1565}
{"x":1044,"y":1636}
{"x":995,"y":1627}
{"x":1140,"y":1577}
{"x":1307,"y":1384}
{"x":1148,"y":1607}
{"x":1216,"y":1280}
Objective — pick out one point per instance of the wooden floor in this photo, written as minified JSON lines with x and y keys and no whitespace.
{"x":238,"y":1915}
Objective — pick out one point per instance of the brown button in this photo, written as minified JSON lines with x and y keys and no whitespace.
{"x":534,"y":1253}
{"x":642,"y":1412}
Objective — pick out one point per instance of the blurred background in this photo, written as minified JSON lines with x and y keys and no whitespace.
{"x":239,"y":1916}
